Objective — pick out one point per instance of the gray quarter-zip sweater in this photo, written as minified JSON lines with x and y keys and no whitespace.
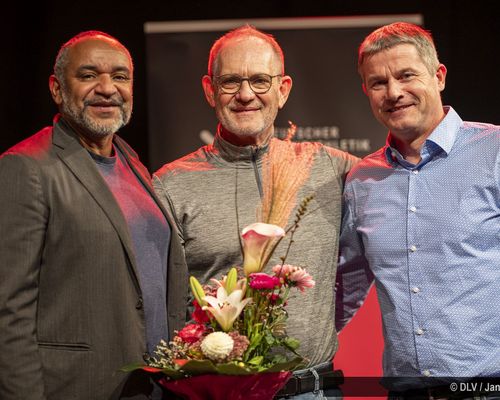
{"x":214,"y":193}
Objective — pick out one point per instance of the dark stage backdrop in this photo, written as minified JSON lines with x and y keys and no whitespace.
{"x":326,"y":103}
{"x":466,"y":33}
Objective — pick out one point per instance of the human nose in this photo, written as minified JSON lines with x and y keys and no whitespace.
{"x":105,"y":85}
{"x":394,"y":90}
{"x":245,"y":94}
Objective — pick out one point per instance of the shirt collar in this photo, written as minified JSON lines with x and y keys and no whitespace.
{"x":231,"y":152}
{"x":443,"y":136}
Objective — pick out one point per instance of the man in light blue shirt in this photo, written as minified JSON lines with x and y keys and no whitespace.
{"x":422,"y":219}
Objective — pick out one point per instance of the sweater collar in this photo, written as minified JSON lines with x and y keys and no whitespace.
{"x":230,"y":152}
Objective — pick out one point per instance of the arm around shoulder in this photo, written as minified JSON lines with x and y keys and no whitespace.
{"x":354,"y":277}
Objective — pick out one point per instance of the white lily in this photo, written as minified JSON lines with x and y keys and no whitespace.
{"x":226,"y":308}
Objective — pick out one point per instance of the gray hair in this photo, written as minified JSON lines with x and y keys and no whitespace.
{"x":397,"y":33}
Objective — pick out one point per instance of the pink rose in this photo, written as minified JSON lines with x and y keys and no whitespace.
{"x":191,"y":333}
{"x":260,"y":280}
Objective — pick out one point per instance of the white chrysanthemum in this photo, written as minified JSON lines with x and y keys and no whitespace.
{"x":217,"y":346}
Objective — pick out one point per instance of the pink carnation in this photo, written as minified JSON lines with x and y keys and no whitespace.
{"x":191,"y":333}
{"x":294,"y":276}
{"x":260,"y":280}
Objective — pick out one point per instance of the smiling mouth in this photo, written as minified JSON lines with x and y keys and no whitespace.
{"x":104,"y":107}
{"x":398,"y":108}
{"x":245,"y":110}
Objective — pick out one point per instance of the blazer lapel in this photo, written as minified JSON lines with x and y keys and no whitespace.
{"x":77,"y":159}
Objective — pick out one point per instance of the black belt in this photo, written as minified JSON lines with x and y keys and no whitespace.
{"x":435,"y":393}
{"x":305,"y":383}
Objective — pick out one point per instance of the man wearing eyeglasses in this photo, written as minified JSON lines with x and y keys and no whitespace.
{"x":214,"y":192}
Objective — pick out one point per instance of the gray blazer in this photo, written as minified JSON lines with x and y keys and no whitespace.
{"x":70,"y":301}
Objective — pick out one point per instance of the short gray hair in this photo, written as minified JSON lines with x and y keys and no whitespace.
{"x":397,"y":33}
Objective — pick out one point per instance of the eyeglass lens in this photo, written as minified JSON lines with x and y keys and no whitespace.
{"x":259,"y":83}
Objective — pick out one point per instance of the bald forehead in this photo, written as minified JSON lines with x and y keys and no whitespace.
{"x":101,"y":47}
{"x":249,"y":49}
{"x":100,"y":41}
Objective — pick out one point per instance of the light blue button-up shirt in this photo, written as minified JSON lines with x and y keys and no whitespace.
{"x":430,"y":235}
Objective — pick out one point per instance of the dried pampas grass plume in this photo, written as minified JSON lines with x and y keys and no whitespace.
{"x":285,"y":169}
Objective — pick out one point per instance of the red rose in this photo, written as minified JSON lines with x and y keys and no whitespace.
{"x":191,"y":333}
{"x":198,"y":314}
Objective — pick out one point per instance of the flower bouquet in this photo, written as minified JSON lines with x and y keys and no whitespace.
{"x":236,"y":345}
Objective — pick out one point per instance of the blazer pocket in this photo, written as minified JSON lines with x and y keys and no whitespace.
{"x":66,"y":370}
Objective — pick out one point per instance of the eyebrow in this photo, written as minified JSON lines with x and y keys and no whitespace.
{"x":92,"y":67}
{"x":396,"y":73}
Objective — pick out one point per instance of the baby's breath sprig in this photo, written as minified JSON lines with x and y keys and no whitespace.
{"x":166,"y":353}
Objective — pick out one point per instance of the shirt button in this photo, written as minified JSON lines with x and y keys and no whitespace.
{"x":415,"y":289}
{"x":419,"y":331}
{"x":413,"y":208}
{"x":413,"y":248}
{"x":427,"y":372}
{"x":139,"y":303}
{"x":415,"y":171}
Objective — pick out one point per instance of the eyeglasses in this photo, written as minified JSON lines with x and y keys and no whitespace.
{"x":259,"y":83}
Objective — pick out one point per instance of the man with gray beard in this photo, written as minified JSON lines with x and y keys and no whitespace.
{"x":88,"y":256}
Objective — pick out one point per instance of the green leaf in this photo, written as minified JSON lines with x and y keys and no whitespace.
{"x":255,"y":341}
{"x":198,"y":367}
{"x":257,"y":360}
{"x":201,"y":367}
{"x":234,"y":369}
{"x":291,"y":343}
{"x":279,"y":359}
{"x":173,"y":373}
{"x":270,"y":339}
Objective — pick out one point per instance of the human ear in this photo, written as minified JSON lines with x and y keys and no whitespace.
{"x":441,"y":77}
{"x":55,"y":89}
{"x":284,"y":90}
{"x":208,"y":88}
